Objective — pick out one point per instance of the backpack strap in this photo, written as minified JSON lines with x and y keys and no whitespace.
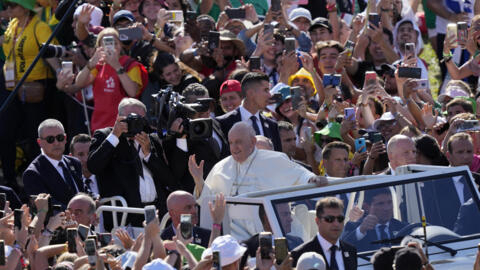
{"x":127,"y":63}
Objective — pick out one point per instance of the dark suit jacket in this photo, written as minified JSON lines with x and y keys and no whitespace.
{"x":201,"y":236}
{"x":115,"y":170}
{"x":371,"y":235}
{"x":270,"y":127}
{"x":468,"y":219}
{"x":349,"y":253}
{"x":202,"y":150}
{"x":42,"y":177}
{"x":12,"y":197}
{"x":441,"y":212}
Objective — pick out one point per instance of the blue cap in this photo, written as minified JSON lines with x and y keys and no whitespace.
{"x":123,"y":14}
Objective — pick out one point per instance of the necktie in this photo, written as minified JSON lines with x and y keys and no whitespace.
{"x":254,"y":124}
{"x":383,"y":234}
{"x":88,"y":187}
{"x":215,"y":147}
{"x":68,"y":177}
{"x":333,"y":261}
{"x":137,"y":161}
{"x":466,"y":191}
{"x":273,"y":76}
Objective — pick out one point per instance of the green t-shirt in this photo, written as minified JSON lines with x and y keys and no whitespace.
{"x":261,"y":7}
{"x":196,"y":251}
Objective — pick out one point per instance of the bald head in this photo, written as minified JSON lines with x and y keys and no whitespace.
{"x":401,"y":151}
{"x":242,"y":141}
{"x":243,"y":128}
{"x":82,"y":207}
{"x":181,"y":202}
{"x":264,"y":143}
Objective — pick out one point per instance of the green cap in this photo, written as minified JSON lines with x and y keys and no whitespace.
{"x":332,"y":130}
{"x":28,"y":4}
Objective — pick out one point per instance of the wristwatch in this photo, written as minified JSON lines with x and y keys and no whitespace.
{"x":120,"y":71}
{"x":172,"y":251}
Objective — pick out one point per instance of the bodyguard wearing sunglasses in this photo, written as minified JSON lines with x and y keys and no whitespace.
{"x":52,"y":172}
{"x":338,"y":254}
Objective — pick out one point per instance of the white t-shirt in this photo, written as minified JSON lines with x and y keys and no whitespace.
{"x":455,"y":6}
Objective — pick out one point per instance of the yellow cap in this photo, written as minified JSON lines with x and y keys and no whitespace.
{"x":303,"y":73}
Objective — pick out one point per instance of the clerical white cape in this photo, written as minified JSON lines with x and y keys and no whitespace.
{"x":262,"y":170}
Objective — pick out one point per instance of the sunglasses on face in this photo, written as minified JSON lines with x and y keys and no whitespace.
{"x":331,"y":219}
{"x":51,"y":139}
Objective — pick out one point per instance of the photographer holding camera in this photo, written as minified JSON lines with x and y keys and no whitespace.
{"x":129,"y":161}
{"x":211,"y":150}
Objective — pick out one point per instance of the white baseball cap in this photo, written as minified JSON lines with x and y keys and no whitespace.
{"x":300,"y":12}
{"x":229,"y":248}
{"x":452,"y":92}
{"x":157,"y":264}
{"x":311,"y":260}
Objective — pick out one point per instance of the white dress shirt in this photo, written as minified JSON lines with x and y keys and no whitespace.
{"x":326,"y":250}
{"x":459,"y":188}
{"x":148,"y":193}
{"x":183,"y":145}
{"x":93,"y":186}
{"x":56,"y":165}
{"x":245,"y":115}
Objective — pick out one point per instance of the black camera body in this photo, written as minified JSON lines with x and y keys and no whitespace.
{"x":58,"y":51}
{"x":168,"y":105}
{"x":136,"y":124}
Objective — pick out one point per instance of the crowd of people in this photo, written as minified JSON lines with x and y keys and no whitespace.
{"x":167,"y":103}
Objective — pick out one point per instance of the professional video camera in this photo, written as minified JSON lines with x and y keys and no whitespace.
{"x":168,"y":105}
{"x":58,"y":51}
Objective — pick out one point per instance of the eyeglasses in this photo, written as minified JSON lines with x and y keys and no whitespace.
{"x":51,"y":139}
{"x":331,"y":219}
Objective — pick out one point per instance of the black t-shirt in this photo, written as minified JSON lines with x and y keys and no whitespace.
{"x":359,"y":77}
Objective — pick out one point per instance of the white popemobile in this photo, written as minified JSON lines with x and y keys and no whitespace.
{"x":416,"y":191}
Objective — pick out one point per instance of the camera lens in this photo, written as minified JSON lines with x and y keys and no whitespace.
{"x":199,"y":128}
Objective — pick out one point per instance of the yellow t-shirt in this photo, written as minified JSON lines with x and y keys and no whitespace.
{"x":27,"y":48}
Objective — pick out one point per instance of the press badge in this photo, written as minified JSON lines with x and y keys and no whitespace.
{"x":9,"y":71}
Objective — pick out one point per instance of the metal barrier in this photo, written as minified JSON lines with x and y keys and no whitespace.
{"x":113,"y":202}
{"x":124,"y":210}
{"x":115,"y":210}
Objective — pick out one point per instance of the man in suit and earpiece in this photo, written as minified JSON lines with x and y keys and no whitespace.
{"x":338,"y":254}
{"x":256,"y":90}
{"x":52,"y":172}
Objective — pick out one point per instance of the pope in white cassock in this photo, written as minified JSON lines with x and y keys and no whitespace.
{"x":248,"y":169}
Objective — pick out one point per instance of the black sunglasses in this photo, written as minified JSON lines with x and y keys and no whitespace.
{"x":51,"y":139}
{"x":331,"y":219}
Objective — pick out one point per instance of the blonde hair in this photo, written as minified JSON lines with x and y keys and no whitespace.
{"x":110,"y":31}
